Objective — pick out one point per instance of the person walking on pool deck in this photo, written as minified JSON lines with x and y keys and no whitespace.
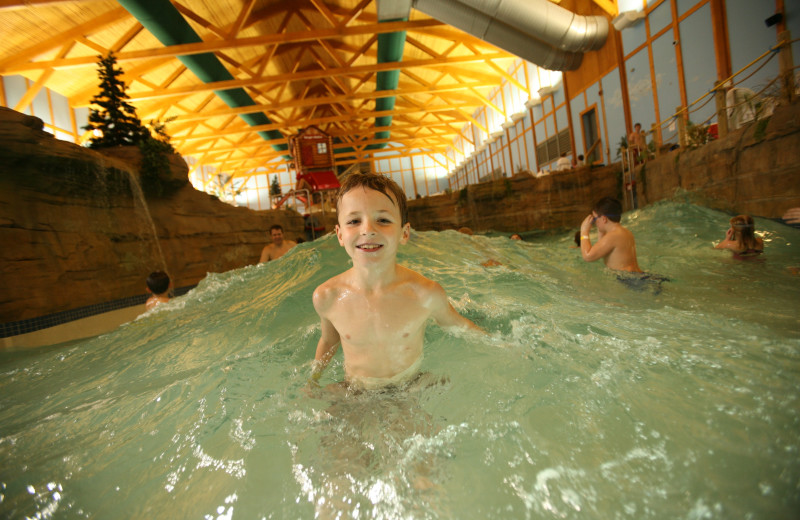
{"x":278,"y":247}
{"x":377,"y":309}
{"x":615,"y":244}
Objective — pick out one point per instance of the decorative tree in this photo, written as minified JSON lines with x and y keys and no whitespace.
{"x":275,"y":188}
{"x":116,"y":121}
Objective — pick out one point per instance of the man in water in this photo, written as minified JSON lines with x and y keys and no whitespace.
{"x":278,"y":247}
{"x":377,"y":309}
{"x":615,"y":244}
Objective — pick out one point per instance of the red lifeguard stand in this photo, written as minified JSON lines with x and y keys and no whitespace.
{"x":312,"y":151}
{"x":312,"y":159}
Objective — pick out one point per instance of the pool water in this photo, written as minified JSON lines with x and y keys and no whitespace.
{"x":586,"y":400}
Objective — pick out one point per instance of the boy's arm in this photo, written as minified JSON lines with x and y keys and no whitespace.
{"x":329,"y":340}
{"x":599,"y":250}
{"x":326,"y":348}
{"x":727,"y":242}
{"x":444,"y":313}
{"x":602,"y":248}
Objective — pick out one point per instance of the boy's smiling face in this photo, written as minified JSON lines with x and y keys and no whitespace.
{"x":370,"y":227}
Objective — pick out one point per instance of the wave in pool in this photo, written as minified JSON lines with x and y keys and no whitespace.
{"x":587,"y":400}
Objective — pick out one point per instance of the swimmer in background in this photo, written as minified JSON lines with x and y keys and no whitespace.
{"x":278,"y":247}
{"x":515,"y":236}
{"x":158,"y":285}
{"x":577,"y":239}
{"x":792,"y":216}
{"x":488,"y":263}
{"x":740,"y":238}
{"x":615,"y":243}
{"x":377,"y":309}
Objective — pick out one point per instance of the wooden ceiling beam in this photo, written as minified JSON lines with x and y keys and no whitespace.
{"x":241,"y":19}
{"x":57,"y":41}
{"x":17,"y":65}
{"x":315,"y":74}
{"x":206,"y":24}
{"x":326,"y":13}
{"x":456,"y":110}
{"x":34,"y":89}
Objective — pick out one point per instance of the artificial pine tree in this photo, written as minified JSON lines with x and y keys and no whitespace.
{"x":116,"y":120}
{"x":275,"y":188}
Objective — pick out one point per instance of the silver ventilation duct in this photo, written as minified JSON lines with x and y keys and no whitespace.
{"x":537,"y":30}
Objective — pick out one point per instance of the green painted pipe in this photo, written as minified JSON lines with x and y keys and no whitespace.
{"x":165,"y":23}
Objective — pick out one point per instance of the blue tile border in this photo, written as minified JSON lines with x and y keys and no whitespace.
{"x":15,"y":328}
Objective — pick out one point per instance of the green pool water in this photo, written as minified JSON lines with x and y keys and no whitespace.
{"x":586,"y":400}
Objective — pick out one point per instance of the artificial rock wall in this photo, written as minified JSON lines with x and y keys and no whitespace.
{"x":520,"y":203}
{"x":74,"y":232}
{"x":754,"y":170}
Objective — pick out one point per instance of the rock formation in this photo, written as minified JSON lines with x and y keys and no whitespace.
{"x":75,"y":232}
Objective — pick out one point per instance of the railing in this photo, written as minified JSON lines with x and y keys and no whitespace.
{"x":729,"y":103}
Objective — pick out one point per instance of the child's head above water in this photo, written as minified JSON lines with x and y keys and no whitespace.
{"x":608,"y":207}
{"x":743,"y":224}
{"x":744,"y":229}
{"x":379,"y":183}
{"x":158,"y":282}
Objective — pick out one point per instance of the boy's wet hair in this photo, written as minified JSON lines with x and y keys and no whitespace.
{"x":274,"y":227}
{"x":379,"y":183}
{"x":158,"y":282}
{"x":610,"y":208}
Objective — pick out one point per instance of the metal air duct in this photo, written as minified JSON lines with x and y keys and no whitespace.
{"x":536,"y":30}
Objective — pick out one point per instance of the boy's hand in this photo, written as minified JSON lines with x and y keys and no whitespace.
{"x":729,"y":234}
{"x":586,"y":225}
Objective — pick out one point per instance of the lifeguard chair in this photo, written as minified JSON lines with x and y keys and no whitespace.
{"x":312,"y":159}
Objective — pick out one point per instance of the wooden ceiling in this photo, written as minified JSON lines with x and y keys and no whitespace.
{"x":303,"y":62}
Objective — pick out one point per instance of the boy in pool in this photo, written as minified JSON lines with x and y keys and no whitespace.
{"x":377,"y":309}
{"x":615,"y":244}
{"x":158,"y":284}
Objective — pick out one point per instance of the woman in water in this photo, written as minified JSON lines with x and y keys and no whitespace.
{"x":741,"y":239}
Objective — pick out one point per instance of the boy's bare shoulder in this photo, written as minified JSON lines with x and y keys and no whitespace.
{"x":327,"y":292}
{"x":425,"y":288}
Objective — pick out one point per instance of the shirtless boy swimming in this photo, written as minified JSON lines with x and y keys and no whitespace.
{"x":615,"y":244}
{"x":377,"y":309}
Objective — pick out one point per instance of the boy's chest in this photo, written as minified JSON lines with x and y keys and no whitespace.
{"x":392,"y":319}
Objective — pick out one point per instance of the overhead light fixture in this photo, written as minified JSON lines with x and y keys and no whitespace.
{"x":546,"y":91}
{"x":533,"y":102}
{"x":626,"y":19}
{"x":774,"y":19}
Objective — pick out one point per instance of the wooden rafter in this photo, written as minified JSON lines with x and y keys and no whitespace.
{"x":310,"y":62}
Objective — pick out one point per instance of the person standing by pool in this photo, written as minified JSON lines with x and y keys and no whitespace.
{"x":377,"y":309}
{"x":636,"y":142}
{"x":740,"y":238}
{"x":615,"y":243}
{"x":278,"y":247}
